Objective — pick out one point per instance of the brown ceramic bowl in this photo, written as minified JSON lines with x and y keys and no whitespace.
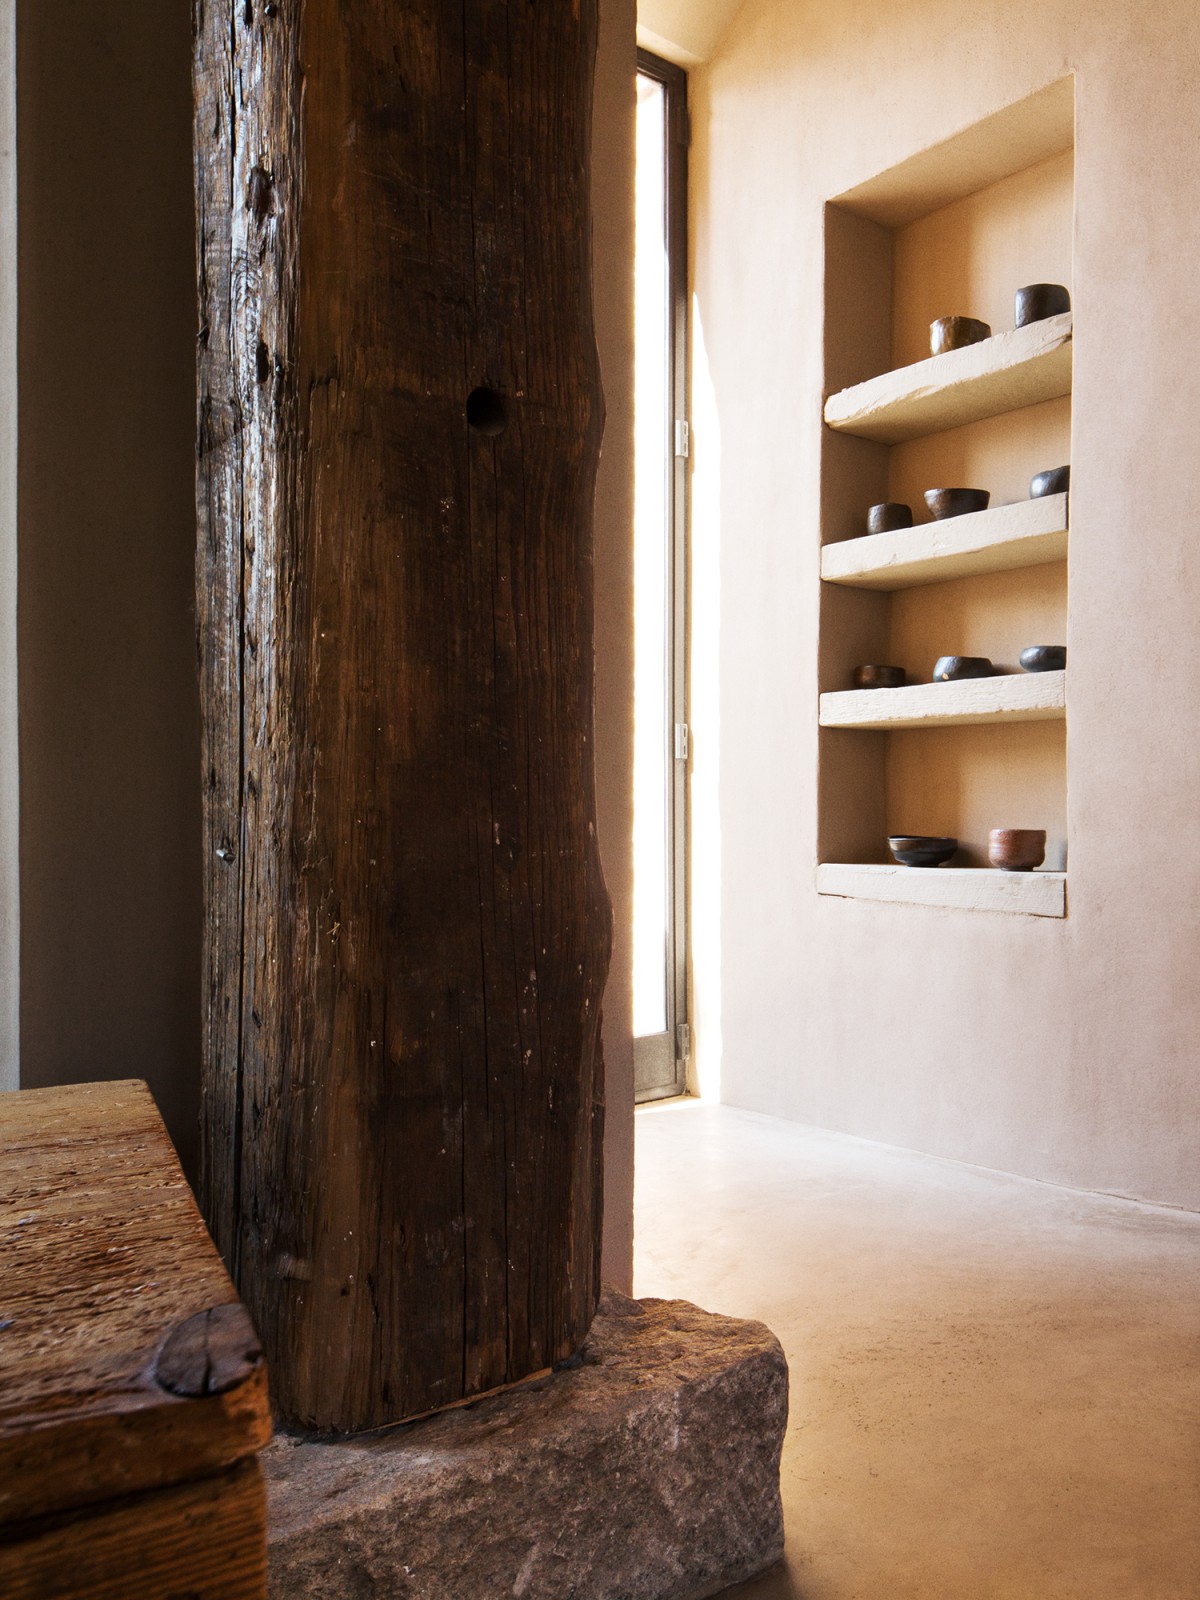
{"x":953,"y":333}
{"x":1038,"y":300}
{"x":886,"y":516}
{"x":949,"y":669}
{"x":871,"y":677}
{"x":944,"y":503}
{"x":1017,"y":849}
{"x":1055,"y":480}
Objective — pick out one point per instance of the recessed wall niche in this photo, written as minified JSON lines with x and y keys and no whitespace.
{"x":954,"y":230}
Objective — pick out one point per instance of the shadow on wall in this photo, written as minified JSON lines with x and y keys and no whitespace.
{"x":110,"y":800}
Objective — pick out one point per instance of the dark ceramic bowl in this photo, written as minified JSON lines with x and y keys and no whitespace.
{"x":1038,"y":300}
{"x":1056,"y":480}
{"x":1017,"y":849}
{"x":871,"y":677}
{"x":949,"y":669}
{"x":952,"y":333}
{"x":886,"y":516}
{"x":1044,"y":658}
{"x":921,"y":849}
{"x":944,"y":503}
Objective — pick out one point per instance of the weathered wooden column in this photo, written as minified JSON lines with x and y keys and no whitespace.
{"x":407,"y":930}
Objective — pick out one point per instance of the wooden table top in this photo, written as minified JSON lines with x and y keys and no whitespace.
{"x":103,"y":1255}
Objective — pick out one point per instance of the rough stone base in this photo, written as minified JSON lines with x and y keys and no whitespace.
{"x":648,"y":1472}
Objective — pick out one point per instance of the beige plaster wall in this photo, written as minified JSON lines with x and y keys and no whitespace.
{"x":685,"y":31}
{"x":1063,"y":1050}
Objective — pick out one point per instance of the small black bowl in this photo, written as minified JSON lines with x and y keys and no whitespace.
{"x":889,"y":514}
{"x":949,"y":669}
{"x":921,"y":849}
{"x":1044,"y":658}
{"x":944,"y":503}
{"x":1055,"y":480}
{"x":1037,"y":301}
{"x":871,"y":677}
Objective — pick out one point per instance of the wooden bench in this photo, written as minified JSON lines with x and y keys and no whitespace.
{"x":133,"y":1393}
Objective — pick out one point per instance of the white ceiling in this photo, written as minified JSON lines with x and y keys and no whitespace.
{"x":686,"y":31}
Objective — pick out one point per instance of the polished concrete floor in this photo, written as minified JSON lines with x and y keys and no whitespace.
{"x":995,"y":1384}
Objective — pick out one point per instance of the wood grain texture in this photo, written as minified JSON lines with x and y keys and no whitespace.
{"x":209,"y":1353}
{"x":407,"y":934}
{"x":205,"y":1540}
{"x":104,"y":1254}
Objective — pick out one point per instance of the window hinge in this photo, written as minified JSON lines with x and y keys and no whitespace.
{"x":683,"y":1041}
{"x":683,"y":440}
{"x":681,"y":741}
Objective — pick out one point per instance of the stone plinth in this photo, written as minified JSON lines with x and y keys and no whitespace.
{"x":649,"y":1471}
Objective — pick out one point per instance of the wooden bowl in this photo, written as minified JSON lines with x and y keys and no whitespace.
{"x":1044,"y":657}
{"x":944,"y":503}
{"x":921,"y":849}
{"x":871,"y":677}
{"x":886,"y":516}
{"x":952,"y":333}
{"x":1039,"y":300}
{"x":949,"y":669}
{"x":1055,"y":480}
{"x":1017,"y":849}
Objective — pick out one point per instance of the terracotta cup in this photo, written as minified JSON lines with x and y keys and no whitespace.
{"x":1017,"y":849}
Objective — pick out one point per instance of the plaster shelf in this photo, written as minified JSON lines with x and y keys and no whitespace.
{"x":1012,"y":697}
{"x":1029,"y":533}
{"x":1003,"y":373}
{"x":1033,"y":894}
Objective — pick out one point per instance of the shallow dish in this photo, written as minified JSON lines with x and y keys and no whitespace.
{"x":872,"y":677}
{"x":949,"y":669}
{"x":953,"y":333}
{"x":889,"y":514}
{"x":944,"y":503}
{"x":1017,"y":849}
{"x":921,"y":849}
{"x":1039,"y":300}
{"x":1044,"y":657}
{"x":1055,"y":480}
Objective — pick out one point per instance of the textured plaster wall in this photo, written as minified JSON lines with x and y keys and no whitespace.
{"x":110,"y":766}
{"x":1062,"y":1050}
{"x":683,"y":30}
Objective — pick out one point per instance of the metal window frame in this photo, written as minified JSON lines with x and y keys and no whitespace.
{"x":674,"y":81}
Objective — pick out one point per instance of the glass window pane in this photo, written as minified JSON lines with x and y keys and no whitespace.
{"x":652,"y":543}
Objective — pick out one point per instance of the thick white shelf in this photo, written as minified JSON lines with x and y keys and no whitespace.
{"x":1029,"y":533}
{"x":1013,"y":697}
{"x":1032,"y":894}
{"x":1003,"y":373}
